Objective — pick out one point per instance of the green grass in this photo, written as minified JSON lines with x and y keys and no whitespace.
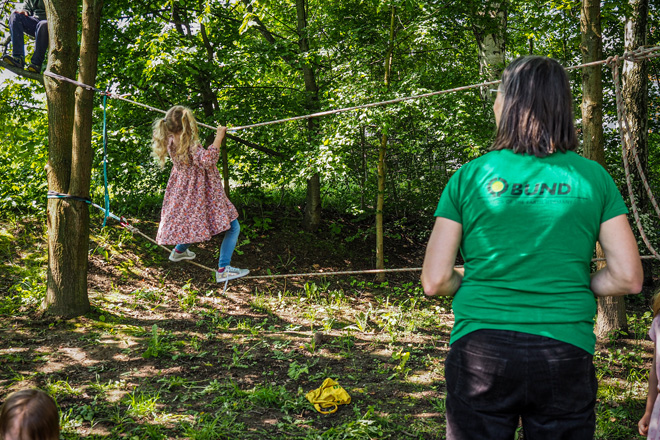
{"x":165,"y":357}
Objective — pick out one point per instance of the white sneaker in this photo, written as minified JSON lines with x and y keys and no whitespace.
{"x":178,"y":256}
{"x":230,"y":273}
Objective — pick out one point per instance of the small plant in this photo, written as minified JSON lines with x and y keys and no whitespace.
{"x":260,"y":304}
{"x":269,"y":395}
{"x":189,"y":298}
{"x":296,"y":370}
{"x":173,"y":382}
{"x":263,"y":223}
{"x":246,"y":325}
{"x":311,"y":346}
{"x":311,"y":316}
{"x":141,"y":405}
{"x":335,"y":228}
{"x":215,"y":320}
{"x":362,"y":321}
{"x":61,"y":388}
{"x":311,"y":291}
{"x":438,"y":404}
{"x":401,"y":369}
{"x":287,"y":261}
{"x":328,"y":323}
{"x":346,"y":343}
{"x":157,"y":345}
{"x":103,"y":388}
{"x":149,"y":295}
{"x":238,"y":356}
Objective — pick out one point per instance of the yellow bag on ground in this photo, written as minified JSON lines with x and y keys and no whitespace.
{"x":328,"y":397}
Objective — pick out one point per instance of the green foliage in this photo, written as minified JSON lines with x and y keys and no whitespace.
{"x":240,"y":62}
{"x":23,"y":151}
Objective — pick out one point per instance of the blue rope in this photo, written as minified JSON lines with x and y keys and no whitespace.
{"x":57,"y":195}
{"x":105,"y":161}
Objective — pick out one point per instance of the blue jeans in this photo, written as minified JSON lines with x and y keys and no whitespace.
{"x":496,"y":377}
{"x":19,"y":25}
{"x":227,"y":246}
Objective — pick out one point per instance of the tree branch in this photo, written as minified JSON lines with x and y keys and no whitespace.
{"x":24,"y":73}
{"x":255,"y":146}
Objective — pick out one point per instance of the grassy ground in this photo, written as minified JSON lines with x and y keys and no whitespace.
{"x":164,"y":353}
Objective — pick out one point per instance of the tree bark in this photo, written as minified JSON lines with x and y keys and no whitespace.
{"x":611,"y":310}
{"x":635,"y":97}
{"x":312,"y":214}
{"x":312,"y":217}
{"x":70,"y":154}
{"x":489,"y":28}
{"x":382,"y":151}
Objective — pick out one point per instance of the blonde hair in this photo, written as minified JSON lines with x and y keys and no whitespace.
{"x":655,"y":303}
{"x":177,"y":120}
{"x":29,"y":415}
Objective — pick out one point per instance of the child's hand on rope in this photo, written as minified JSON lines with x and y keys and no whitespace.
{"x":220,"y":135}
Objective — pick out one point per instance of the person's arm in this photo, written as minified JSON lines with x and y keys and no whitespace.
{"x":208,"y":158}
{"x":28,"y":7}
{"x":644,"y":422}
{"x":439,"y":277}
{"x":623,"y":274}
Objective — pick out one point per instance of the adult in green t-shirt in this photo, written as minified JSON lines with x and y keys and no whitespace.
{"x":526,"y":217}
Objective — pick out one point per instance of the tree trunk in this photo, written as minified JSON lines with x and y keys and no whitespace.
{"x":380,"y":201}
{"x":635,"y":96}
{"x":313,"y":205}
{"x":70,"y":154}
{"x":312,"y":215}
{"x":380,"y":205}
{"x":489,"y":28}
{"x":363,"y":171}
{"x":611,"y":310}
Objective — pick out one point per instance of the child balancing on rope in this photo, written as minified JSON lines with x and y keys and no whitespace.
{"x":195,"y":206}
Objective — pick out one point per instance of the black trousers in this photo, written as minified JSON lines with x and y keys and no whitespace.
{"x":496,"y":377}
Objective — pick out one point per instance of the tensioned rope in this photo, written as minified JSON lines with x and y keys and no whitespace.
{"x":641,"y":53}
{"x":646,"y":51}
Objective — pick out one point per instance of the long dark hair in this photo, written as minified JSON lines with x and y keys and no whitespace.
{"x":537,"y":108}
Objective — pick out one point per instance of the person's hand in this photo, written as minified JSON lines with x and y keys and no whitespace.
{"x":643,"y":424}
{"x":220,"y":133}
{"x":22,"y":12}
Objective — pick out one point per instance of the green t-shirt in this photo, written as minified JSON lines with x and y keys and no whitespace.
{"x":530,"y":226}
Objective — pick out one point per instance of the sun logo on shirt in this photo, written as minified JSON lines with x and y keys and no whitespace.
{"x":497,"y":186}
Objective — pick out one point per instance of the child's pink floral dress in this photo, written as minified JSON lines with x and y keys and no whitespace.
{"x":654,"y":425}
{"x":195,"y":206}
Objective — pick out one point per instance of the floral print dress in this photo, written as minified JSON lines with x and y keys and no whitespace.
{"x":195,"y":206}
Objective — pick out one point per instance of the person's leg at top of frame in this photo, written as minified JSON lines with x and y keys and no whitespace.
{"x":20,"y":24}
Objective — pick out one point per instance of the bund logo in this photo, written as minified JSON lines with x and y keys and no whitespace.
{"x":497,"y":186}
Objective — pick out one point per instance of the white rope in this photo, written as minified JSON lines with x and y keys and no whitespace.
{"x":648,"y":52}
